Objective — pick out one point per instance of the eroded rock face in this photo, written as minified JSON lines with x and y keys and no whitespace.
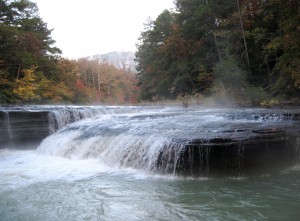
{"x":194,"y":142}
{"x":26,"y":126}
{"x":4,"y":130}
{"x":238,"y":151}
{"x":23,"y":129}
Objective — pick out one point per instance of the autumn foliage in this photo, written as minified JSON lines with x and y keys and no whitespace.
{"x":236,"y":46}
{"x":32,"y":70}
{"x":102,"y":82}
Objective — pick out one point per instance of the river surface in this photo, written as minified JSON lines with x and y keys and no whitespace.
{"x":86,"y":171}
{"x":37,"y":187}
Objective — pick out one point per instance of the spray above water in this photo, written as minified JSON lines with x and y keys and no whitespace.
{"x":122,"y":141}
{"x":157,"y":163}
{"x":178,"y":141}
{"x":24,"y":127}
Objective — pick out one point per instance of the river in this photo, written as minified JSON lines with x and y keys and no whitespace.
{"x":103,"y":168}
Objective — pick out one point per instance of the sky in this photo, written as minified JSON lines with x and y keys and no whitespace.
{"x":89,"y":27}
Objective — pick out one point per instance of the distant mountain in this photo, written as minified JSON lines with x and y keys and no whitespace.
{"x":122,"y":60}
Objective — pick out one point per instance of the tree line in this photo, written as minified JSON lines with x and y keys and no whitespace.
{"x":245,"y":49}
{"x":33,"y":71}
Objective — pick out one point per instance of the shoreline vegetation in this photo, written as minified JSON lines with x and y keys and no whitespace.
{"x":190,"y":102}
{"x":215,"y":103}
{"x":246,"y":51}
{"x":241,"y":53}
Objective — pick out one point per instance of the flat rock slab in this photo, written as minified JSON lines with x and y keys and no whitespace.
{"x":203,"y":141}
{"x":255,"y":150}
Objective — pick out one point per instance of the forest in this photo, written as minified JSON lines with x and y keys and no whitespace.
{"x":32,"y":70}
{"x":246,"y":50}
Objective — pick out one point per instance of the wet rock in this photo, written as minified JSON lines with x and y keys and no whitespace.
{"x":23,"y":129}
{"x":249,"y":143}
{"x":4,"y":135}
{"x":259,"y":149}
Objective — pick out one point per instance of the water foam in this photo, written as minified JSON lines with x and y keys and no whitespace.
{"x":22,"y":168}
{"x":152,"y":141}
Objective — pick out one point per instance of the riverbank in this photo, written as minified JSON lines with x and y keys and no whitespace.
{"x":221,"y":103}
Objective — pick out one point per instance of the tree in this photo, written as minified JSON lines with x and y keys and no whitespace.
{"x":153,"y":65}
{"x":271,"y":31}
{"x":103,"y":82}
{"x":178,"y":51}
{"x":26,"y":88}
{"x":25,"y":40}
{"x":209,"y":42}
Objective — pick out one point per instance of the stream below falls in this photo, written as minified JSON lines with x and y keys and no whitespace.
{"x":141,"y":165}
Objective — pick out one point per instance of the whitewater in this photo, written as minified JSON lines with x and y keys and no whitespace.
{"x":105,"y":167}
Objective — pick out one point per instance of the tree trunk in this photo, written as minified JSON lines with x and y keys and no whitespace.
{"x":93,"y":80}
{"x":98,"y":82}
{"x":297,"y":3}
{"x":243,"y":33}
{"x":85,"y":77}
{"x":18,"y":73}
{"x":217,"y":46}
{"x":215,"y":39}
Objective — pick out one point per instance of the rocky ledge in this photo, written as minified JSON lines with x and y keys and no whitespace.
{"x":247,"y":147}
{"x":23,"y":129}
{"x":235,"y":152}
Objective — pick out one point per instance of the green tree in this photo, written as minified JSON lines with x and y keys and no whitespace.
{"x":231,"y":77}
{"x":178,"y":51}
{"x":153,"y":65}
{"x":25,"y":40}
{"x":272,"y":34}
{"x":213,"y":42}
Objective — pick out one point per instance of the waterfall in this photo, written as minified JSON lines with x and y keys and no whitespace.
{"x":27,"y":126}
{"x":122,"y":150}
{"x":122,"y":140}
{"x":62,"y":116}
{"x":174,"y":142}
{"x":158,"y":140}
{"x":8,"y":129}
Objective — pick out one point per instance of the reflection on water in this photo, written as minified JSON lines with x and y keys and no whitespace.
{"x":38,"y":187}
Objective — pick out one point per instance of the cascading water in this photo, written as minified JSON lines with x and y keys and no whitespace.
{"x":62,"y":116}
{"x":173,"y":141}
{"x":150,"y":163}
{"x":9,"y":133}
{"x":115,"y":140}
{"x":30,"y":124}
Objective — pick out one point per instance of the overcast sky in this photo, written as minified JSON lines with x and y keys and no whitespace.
{"x":89,"y":27}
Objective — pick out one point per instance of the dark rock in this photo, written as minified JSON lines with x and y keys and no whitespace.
{"x":267,"y":150}
{"x":241,"y":151}
{"x":23,"y":129}
{"x":233,"y":150}
{"x":4,"y":130}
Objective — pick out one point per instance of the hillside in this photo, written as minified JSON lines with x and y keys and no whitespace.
{"x":120,"y":59}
